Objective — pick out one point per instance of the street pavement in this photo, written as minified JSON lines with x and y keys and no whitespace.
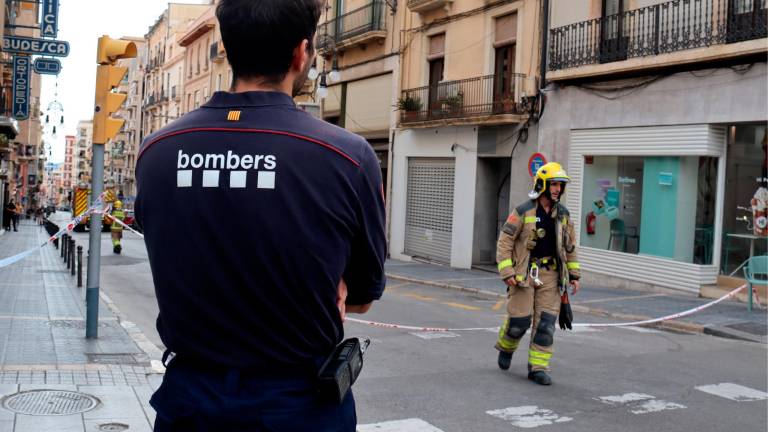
{"x":673,"y":378}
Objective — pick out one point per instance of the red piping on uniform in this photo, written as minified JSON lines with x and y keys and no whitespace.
{"x":274,"y":132}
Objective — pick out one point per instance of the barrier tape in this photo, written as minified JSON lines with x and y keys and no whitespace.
{"x":67,"y":228}
{"x":124,"y":225}
{"x":627,"y":324}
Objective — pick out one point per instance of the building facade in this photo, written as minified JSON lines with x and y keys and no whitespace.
{"x":659,"y":110}
{"x":197,"y":41}
{"x":467,"y":110}
{"x":161,"y":48}
{"x":22,"y":155}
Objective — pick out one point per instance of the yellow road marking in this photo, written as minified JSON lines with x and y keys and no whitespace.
{"x":498,"y":305}
{"x":389,"y":287}
{"x":418,"y":297}
{"x":463,"y":306}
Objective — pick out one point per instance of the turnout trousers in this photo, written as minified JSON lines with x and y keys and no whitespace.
{"x":536,"y":308}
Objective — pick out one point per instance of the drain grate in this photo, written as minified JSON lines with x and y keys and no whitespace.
{"x":115,"y":358}
{"x":73,"y":324}
{"x":113,"y":427}
{"x":50,"y":402}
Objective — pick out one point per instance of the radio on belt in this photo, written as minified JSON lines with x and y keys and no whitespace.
{"x":342,"y":368}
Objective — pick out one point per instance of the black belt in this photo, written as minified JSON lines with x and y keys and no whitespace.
{"x":302,"y":370}
{"x":547,"y":263}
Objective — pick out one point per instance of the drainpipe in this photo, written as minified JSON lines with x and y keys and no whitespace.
{"x":544,"y":43}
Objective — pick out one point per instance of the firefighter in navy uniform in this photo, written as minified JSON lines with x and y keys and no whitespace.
{"x":536,"y":255}
{"x":225,"y":195}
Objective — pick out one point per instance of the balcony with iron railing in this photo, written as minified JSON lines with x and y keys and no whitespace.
{"x":421,"y":6}
{"x":486,"y":99}
{"x":723,"y":28}
{"x":356,"y":27}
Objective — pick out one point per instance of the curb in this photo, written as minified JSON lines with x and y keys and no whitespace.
{"x":152,"y":351}
{"x":666,"y":325}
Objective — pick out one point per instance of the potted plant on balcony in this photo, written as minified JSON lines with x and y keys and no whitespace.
{"x":453,"y":104}
{"x":410,"y":106}
{"x":507,"y":103}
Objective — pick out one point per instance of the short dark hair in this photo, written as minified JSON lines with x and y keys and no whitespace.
{"x":261,"y":35}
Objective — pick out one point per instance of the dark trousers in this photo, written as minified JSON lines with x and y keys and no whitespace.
{"x":195,"y":399}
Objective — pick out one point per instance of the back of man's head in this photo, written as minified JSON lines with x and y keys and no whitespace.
{"x":260,"y":36}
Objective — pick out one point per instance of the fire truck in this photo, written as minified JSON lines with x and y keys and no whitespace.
{"x":81,"y":200}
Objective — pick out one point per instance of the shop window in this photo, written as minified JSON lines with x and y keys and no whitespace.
{"x":746,"y":191}
{"x":656,"y":206}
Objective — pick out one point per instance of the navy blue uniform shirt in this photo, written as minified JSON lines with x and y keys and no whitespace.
{"x":252,"y":212}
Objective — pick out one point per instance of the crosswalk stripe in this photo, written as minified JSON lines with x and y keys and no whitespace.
{"x":406,"y":425}
{"x":640,"y":403}
{"x":656,"y":405}
{"x":435,"y":335}
{"x":733,"y":392}
{"x":528,"y":416}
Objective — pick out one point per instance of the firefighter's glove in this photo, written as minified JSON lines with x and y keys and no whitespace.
{"x":566,"y":314}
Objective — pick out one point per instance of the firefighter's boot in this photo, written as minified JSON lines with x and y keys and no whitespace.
{"x":539,"y":377}
{"x":505,"y":359}
{"x":117,"y":249}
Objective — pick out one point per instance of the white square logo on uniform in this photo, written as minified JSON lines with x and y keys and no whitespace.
{"x":266,"y":180}
{"x":238,"y":179}
{"x":184,"y":178}
{"x":210,"y":178}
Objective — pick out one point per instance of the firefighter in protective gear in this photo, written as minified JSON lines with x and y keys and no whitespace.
{"x":117,"y":229}
{"x":536,"y":255}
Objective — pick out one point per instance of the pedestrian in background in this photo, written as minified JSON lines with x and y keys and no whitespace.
{"x":264,"y":226}
{"x":8,"y":213}
{"x":116,"y":229}
{"x":17,"y":216}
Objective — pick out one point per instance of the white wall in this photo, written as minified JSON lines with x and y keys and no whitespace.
{"x":437,"y":142}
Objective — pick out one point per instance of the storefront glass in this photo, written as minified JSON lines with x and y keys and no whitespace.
{"x":746,"y":192}
{"x":659,"y":206}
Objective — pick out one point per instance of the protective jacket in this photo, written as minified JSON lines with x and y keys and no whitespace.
{"x":117,"y":214}
{"x":513,"y":255}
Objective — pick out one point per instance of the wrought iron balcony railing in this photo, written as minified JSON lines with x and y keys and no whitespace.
{"x":369,"y":18}
{"x":663,"y":28}
{"x":479,"y":96}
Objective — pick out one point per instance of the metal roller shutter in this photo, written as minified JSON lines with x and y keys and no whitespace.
{"x":429,"y":214}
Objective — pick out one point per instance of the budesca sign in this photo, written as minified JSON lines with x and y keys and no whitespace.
{"x":32,"y":46}
{"x":536,"y":161}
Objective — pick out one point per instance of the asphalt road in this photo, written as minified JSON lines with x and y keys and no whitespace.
{"x":615,"y":379}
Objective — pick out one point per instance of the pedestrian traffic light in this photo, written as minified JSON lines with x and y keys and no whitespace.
{"x":108,"y":77}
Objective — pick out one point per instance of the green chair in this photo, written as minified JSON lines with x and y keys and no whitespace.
{"x":756,"y":273}
{"x":619,"y":231}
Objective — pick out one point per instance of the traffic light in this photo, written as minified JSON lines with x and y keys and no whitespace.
{"x":108,"y":77}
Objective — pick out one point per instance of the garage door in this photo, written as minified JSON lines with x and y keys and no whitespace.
{"x":429,"y":214}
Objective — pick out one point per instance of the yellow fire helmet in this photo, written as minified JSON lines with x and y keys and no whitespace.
{"x":552,"y":171}
{"x":117,"y":205}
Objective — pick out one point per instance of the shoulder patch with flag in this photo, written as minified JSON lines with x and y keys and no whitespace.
{"x":234,"y":115}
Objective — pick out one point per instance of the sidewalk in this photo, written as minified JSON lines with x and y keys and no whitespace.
{"x":51,"y":377}
{"x":726,"y":319}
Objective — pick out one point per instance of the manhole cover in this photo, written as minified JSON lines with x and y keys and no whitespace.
{"x":113,"y":427}
{"x":50,"y":402}
{"x":754,"y":328}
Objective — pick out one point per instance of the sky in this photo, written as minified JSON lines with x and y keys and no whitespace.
{"x":81,"y":23}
